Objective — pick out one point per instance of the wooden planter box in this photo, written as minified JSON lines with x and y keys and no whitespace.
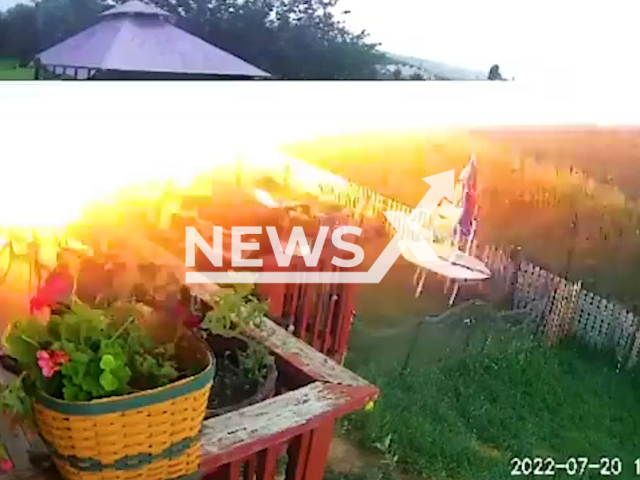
{"x":299,"y":422}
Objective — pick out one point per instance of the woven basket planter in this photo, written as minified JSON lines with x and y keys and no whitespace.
{"x":150,"y":435}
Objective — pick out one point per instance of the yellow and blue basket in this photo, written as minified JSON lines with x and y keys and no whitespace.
{"x":150,"y":435}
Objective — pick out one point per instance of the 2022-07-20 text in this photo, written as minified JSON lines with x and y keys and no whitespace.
{"x":578,"y":466}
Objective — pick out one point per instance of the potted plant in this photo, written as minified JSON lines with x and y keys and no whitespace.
{"x":107,"y":395}
{"x":246,"y":371}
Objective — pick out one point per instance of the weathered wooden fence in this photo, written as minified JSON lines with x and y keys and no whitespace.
{"x":559,"y":307}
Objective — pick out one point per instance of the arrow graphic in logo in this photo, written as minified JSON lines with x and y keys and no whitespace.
{"x":407,"y":236}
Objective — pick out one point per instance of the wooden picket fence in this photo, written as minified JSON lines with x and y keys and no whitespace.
{"x":560,"y":308}
{"x":355,"y":194}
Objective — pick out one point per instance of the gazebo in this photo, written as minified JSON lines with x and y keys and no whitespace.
{"x":138,"y":41}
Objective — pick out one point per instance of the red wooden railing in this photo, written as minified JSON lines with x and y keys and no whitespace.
{"x":319,"y":314}
{"x":291,"y":432}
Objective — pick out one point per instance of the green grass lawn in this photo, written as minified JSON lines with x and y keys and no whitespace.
{"x":479,"y":391}
{"x":9,"y":70}
{"x":467,"y":417}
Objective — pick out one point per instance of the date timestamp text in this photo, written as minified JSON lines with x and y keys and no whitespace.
{"x":578,"y":466}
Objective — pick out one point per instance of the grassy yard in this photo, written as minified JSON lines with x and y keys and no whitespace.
{"x":9,"y":70}
{"x":467,"y":416}
{"x":479,"y":390}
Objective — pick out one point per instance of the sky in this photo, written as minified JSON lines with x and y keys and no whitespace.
{"x":531,"y":40}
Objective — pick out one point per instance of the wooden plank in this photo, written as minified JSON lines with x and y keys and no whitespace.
{"x":319,"y":451}
{"x":318,"y":317}
{"x":330,"y":319}
{"x":250,"y":467}
{"x":298,"y":456}
{"x":608,"y":325}
{"x":238,"y":434}
{"x":304,"y":357}
{"x":230,"y":471}
{"x":267,"y":460}
{"x":305,"y":307}
{"x":343,"y":330}
{"x":570,"y":320}
{"x":274,"y":292}
{"x":628,"y":326}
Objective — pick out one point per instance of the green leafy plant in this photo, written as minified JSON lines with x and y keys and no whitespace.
{"x":256,"y":361}
{"x":85,"y":354}
{"x":236,"y":310}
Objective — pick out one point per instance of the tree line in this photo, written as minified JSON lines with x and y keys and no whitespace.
{"x":291,"y":39}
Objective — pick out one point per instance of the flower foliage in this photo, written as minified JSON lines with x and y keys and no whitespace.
{"x":85,"y":354}
{"x":235,"y":309}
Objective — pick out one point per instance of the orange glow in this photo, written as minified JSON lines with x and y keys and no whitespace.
{"x":265,"y":198}
{"x":62,"y":196}
{"x":73,"y":195}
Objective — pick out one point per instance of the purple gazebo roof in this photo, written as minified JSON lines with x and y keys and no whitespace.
{"x":136,"y":6}
{"x":136,"y":37}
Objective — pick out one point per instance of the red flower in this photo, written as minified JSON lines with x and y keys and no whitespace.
{"x":60,"y":357}
{"x":186,"y":317}
{"x":50,"y":362}
{"x":57,"y":288}
{"x":6,"y":465}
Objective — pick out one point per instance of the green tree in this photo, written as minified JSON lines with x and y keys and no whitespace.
{"x":3,"y":28}
{"x":20,"y":33}
{"x":291,"y":39}
{"x":59,"y":19}
{"x":494,"y":73}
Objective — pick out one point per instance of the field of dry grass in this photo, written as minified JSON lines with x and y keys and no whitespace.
{"x":569,"y":221}
{"x":607,"y":155}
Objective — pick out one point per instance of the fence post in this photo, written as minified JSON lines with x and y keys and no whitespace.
{"x":318,"y":453}
{"x":569,"y":324}
{"x":515,"y":261}
{"x":274,"y":293}
{"x":635,"y":351}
